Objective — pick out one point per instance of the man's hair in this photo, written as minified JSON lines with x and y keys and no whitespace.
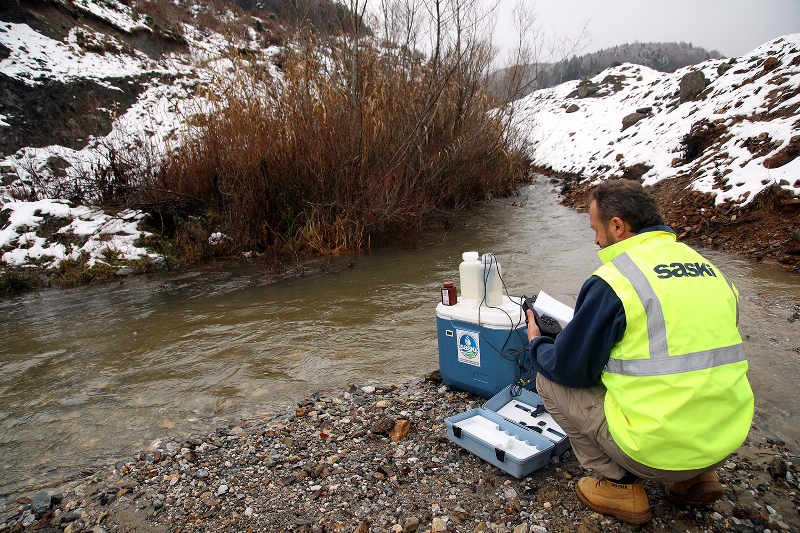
{"x":627,"y":200}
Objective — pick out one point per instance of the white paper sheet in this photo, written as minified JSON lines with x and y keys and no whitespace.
{"x":547,"y":305}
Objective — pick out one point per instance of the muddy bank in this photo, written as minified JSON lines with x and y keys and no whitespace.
{"x":767,"y":228}
{"x":373,"y":459}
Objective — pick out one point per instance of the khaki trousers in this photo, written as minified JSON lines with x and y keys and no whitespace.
{"x":580,"y":413}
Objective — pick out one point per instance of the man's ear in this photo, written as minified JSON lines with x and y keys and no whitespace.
{"x":618,"y":227}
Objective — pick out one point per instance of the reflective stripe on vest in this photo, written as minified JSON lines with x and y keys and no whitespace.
{"x":660,"y":363}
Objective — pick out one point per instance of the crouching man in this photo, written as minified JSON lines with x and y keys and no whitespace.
{"x":649,"y":378}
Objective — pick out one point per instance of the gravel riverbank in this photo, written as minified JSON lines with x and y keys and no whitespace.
{"x":373,"y":459}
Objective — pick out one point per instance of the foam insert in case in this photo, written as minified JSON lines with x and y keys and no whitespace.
{"x":527,"y":410}
{"x":514,"y":433}
{"x":500,"y":442}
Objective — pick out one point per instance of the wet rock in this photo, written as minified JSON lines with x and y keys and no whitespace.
{"x":778,"y":468}
{"x":438,"y":525}
{"x":400,"y":430}
{"x":382,"y":426}
{"x":40,"y":503}
{"x":69,"y":517}
{"x":410,"y":525}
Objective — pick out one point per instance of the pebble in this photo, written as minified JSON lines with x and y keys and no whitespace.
{"x":40,"y":503}
{"x":438,"y":525}
{"x":319,"y":473}
{"x":410,"y":525}
{"x":27,"y":518}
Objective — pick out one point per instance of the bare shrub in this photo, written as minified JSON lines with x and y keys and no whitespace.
{"x":15,"y":279}
{"x":702,"y":135}
{"x":316,"y":163}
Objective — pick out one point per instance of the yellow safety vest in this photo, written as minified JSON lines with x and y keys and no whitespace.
{"x":678,"y":396}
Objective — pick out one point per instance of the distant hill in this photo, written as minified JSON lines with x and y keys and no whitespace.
{"x":663,"y":57}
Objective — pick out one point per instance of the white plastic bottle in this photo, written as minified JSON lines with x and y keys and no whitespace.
{"x":470,"y":272}
{"x":490,"y":283}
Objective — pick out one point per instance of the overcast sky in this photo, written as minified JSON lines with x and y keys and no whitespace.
{"x":732,"y":27}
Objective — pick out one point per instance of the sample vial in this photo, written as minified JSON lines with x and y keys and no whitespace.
{"x":449,"y":293}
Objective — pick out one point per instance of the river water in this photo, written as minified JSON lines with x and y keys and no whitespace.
{"x":94,"y":374}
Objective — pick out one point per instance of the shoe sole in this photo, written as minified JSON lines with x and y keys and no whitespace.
{"x":700,"y":494}
{"x":628,"y":518}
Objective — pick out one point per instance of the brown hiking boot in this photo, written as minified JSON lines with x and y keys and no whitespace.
{"x":699,"y":490}
{"x":626,"y":501}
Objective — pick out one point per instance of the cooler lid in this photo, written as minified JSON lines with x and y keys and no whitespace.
{"x":507,"y":315}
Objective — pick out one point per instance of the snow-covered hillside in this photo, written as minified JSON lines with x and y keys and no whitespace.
{"x":92,"y":51}
{"x":737,"y":135}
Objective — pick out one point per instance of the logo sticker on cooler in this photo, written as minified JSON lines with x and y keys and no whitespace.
{"x":469,"y":349}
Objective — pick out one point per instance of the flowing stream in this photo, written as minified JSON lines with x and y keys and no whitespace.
{"x":93,"y":374}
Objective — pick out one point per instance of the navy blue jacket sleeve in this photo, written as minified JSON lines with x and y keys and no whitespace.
{"x":581,"y":350}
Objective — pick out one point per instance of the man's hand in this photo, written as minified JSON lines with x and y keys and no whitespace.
{"x":533,"y":329}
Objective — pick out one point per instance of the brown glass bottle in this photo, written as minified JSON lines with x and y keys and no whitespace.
{"x":449,"y":293}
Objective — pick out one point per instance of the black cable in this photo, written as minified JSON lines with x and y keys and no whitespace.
{"x":526,"y":375}
{"x":486,"y":271}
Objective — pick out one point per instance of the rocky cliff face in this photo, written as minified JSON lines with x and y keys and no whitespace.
{"x":69,"y":70}
{"x":718,"y":142}
{"x":74,"y":75}
{"x":89,"y":87}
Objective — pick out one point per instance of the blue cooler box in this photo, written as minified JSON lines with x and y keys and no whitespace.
{"x":473,"y":340}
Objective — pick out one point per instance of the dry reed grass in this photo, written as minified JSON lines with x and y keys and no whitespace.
{"x":303,"y":165}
